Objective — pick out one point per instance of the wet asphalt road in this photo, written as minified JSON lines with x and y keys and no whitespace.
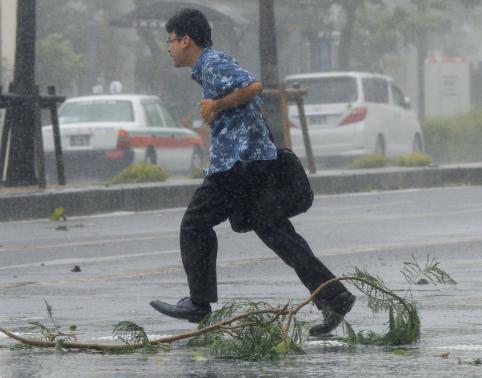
{"x":128,"y":259}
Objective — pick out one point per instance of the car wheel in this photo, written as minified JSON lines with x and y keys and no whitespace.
{"x":197,"y":158}
{"x":417,"y":144}
{"x":151,"y":157}
{"x":380,"y":146}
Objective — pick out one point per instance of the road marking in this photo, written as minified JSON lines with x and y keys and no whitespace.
{"x":237,"y":262}
{"x":87,"y":243}
{"x":396,"y":246}
{"x":85,"y":260}
{"x":362,"y":218}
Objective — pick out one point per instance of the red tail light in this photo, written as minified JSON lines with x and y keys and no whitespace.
{"x":122,"y":140}
{"x":356,"y":115}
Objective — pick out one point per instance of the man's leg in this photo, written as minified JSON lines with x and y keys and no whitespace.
{"x":210,"y":205}
{"x":199,"y":245}
{"x":283,"y":239}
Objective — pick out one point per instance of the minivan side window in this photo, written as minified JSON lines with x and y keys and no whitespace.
{"x":328,"y":90}
{"x":398,"y":97}
{"x":151,"y":112}
{"x":376,"y":90}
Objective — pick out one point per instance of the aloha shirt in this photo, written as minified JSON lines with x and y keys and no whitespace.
{"x":240,"y":133}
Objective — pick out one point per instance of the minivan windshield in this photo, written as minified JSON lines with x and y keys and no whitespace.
{"x":96,"y":111}
{"x":327,"y":90}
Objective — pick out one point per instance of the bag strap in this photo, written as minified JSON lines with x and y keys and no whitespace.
{"x":267,"y":126}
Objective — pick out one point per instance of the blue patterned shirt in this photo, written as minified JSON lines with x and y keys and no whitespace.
{"x":240,"y":133}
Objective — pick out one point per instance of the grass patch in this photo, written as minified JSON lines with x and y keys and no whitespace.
{"x":139,"y":173}
{"x":370,"y":161}
{"x":415,"y":159}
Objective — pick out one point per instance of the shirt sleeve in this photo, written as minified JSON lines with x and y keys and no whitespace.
{"x":224,"y":76}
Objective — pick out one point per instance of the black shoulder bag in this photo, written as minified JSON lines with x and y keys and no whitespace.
{"x":279,"y":192}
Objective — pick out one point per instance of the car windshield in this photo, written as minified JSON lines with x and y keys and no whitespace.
{"x":97,"y":111}
{"x":329,"y":90}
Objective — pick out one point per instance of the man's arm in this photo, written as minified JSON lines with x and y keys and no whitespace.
{"x":210,"y":108}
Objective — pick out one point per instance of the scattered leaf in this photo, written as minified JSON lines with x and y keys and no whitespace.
{"x":286,"y":346}
{"x":199,"y":357}
{"x":422,"y":281}
{"x":76,"y":269}
{"x":58,"y":214}
{"x":398,"y":352}
{"x":442,"y":355}
{"x":61,"y":228}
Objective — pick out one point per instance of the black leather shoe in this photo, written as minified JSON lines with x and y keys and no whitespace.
{"x":333,"y":313}
{"x":184,"y":309}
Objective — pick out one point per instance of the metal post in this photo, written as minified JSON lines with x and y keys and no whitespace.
{"x":285,"y":122}
{"x":58,"y":145}
{"x":304,"y":130}
{"x":39,"y":146}
{"x":4,"y":143}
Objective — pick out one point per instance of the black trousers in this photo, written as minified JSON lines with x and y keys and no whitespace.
{"x":212,"y":204}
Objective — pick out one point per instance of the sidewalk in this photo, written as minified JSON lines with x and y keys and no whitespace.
{"x":34,"y":203}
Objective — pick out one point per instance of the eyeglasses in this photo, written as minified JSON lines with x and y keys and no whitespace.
{"x":171,"y":40}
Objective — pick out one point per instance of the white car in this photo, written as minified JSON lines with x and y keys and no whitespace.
{"x":351,"y":114}
{"x":123,"y":129}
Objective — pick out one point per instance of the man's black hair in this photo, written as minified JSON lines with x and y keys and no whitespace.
{"x":193,"y":23}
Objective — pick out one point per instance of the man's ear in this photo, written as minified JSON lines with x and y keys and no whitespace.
{"x":186,"y":41}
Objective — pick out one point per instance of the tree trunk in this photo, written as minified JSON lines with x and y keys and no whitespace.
{"x":21,"y":163}
{"x":155,"y":67}
{"x":269,"y":68}
{"x":344,"y":54}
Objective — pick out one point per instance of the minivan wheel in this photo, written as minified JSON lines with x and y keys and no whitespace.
{"x":380,"y":146}
{"x":417,"y":144}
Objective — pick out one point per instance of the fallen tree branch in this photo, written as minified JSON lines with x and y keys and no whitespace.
{"x":290,"y":312}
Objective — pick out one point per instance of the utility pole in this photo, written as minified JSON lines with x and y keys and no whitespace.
{"x":269,"y":68}
{"x":421,"y":55}
{"x":21,"y":162}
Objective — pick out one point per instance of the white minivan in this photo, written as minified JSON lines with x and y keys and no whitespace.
{"x":351,"y":114}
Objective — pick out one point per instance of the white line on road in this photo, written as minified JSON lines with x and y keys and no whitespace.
{"x":224,"y":262}
{"x":84,"y":260}
{"x":84,"y":243}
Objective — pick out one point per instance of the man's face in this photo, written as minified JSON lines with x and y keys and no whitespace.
{"x":176,"y":46}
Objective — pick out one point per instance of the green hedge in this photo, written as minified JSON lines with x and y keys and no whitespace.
{"x":138,"y":173}
{"x":454,"y":139}
{"x":415,"y":159}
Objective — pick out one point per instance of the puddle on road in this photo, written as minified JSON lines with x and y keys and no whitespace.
{"x":322,"y":358}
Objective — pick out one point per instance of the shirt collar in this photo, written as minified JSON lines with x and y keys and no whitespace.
{"x":196,"y":74}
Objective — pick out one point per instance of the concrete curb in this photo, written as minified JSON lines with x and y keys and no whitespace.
{"x":141,"y":197}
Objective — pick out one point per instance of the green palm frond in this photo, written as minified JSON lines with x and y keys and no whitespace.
{"x":130,"y":333}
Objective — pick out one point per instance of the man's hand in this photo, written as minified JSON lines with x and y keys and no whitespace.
{"x":208,"y":110}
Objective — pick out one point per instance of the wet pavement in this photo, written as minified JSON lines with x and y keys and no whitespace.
{"x":128,"y":259}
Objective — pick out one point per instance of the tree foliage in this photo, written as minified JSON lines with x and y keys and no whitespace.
{"x":57,"y":62}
